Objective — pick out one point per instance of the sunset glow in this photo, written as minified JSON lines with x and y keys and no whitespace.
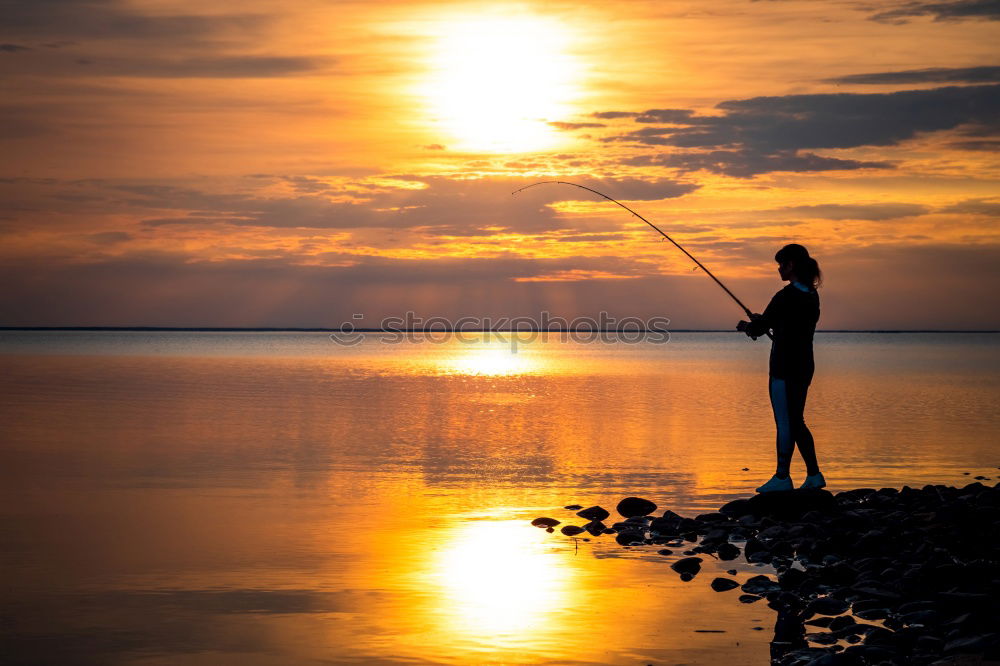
{"x":496,"y":81}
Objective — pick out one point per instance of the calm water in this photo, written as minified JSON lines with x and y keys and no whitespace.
{"x":274,"y":498}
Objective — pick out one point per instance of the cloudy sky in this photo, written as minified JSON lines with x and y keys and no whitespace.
{"x":181,"y":163}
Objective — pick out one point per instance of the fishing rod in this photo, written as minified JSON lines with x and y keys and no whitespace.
{"x":676,"y":244}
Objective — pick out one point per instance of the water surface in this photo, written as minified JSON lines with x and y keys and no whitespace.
{"x":274,"y":498}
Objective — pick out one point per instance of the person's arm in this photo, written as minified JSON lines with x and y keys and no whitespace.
{"x":760,"y":324}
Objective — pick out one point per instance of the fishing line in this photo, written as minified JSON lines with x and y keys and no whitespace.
{"x":676,"y":244}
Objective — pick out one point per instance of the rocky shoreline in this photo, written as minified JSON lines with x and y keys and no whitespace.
{"x":867,"y":576}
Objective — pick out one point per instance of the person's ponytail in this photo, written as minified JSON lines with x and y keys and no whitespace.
{"x":806,"y":268}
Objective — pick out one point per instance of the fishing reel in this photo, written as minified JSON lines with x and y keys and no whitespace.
{"x":744,"y":327}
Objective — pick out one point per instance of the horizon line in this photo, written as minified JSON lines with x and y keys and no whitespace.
{"x":269,"y":329}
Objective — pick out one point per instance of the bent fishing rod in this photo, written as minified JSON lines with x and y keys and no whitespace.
{"x":676,"y":244}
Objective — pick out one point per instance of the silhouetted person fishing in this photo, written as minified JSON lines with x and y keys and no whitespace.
{"x":790,"y":319}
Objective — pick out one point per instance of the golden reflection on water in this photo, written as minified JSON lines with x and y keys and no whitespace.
{"x":498,"y":580}
{"x":493,"y":360}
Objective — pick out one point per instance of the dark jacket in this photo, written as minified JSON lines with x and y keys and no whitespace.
{"x":791,"y":316}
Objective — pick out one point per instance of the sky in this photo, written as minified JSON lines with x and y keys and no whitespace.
{"x":294,"y":164}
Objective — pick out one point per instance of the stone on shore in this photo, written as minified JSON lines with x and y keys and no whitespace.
{"x":635,"y":506}
{"x":545,"y":522}
{"x":724,"y":584}
{"x":594,"y":513}
{"x":689,"y":565}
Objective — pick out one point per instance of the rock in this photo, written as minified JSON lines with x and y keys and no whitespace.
{"x":594,"y":513}
{"x":550,"y":530}
{"x":724,"y":584}
{"x":595,"y":528}
{"x":571,"y":530}
{"x":791,"y":504}
{"x":545,"y":522}
{"x":573,"y":507}
{"x":635,"y":506}
{"x":736,"y":508}
{"x":749,"y":598}
{"x":687,"y":576}
{"x":828,"y":606}
{"x":731,"y":572}
{"x":665,"y":551}
{"x":691,"y":565}
{"x":760,"y":585}
{"x":630,"y":538}
{"x":841,"y":622}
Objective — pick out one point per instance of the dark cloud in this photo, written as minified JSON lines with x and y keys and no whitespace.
{"x":574,"y":126}
{"x":932,"y":75}
{"x":636,"y":189}
{"x":750,"y":163}
{"x":765,"y":134}
{"x":62,"y":20}
{"x":13,"y":48}
{"x":875,"y":212}
{"x":942,"y":11}
{"x":681,"y":116}
{"x":986,"y":207}
{"x":611,"y":115}
{"x":985,"y":145}
{"x":845,"y":120}
{"x":461,"y":207}
{"x":206,"y":67}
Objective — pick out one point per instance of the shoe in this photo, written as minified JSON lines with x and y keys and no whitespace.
{"x":813,"y":482}
{"x":776,"y":485}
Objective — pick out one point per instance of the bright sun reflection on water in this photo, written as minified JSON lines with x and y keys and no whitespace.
{"x":498,"y":80}
{"x":498,"y":581}
{"x":492,"y":361}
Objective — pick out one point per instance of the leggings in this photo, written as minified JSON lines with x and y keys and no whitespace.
{"x":788,"y":400}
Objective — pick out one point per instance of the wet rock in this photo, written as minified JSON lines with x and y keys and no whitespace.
{"x":635,"y":506}
{"x":573,"y":507}
{"x":595,"y":528}
{"x":760,"y":585}
{"x":736,"y":508}
{"x":550,"y":530}
{"x":828,"y":606}
{"x":728,"y":551}
{"x":724,"y":584}
{"x":749,"y":598}
{"x":665,"y":551}
{"x":841,"y":622}
{"x":691,"y":565}
{"x":687,"y":576}
{"x":594,"y":513}
{"x":630,"y":538}
{"x":571,"y":530}
{"x":545,"y":522}
{"x":791,"y":504}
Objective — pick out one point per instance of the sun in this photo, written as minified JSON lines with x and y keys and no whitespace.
{"x":496,"y":81}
